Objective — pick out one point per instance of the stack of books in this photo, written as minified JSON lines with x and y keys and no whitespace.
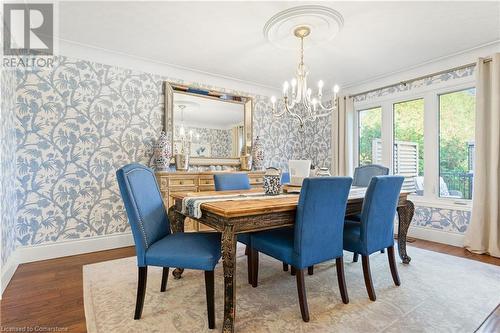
{"x":289,"y":188}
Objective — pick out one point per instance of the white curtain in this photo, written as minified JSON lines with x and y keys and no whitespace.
{"x":342,"y":141}
{"x":483,"y":234}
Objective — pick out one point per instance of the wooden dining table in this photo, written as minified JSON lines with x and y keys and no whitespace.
{"x":231,"y":217}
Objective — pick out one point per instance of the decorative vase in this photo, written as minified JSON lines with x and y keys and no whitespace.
{"x":258,"y":154}
{"x":162,"y":153}
{"x":182,"y":162}
{"x":272,"y":181}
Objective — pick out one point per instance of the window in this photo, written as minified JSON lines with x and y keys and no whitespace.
{"x":425,"y":134}
{"x":408,"y":153}
{"x":456,"y":144}
{"x":369,"y":136}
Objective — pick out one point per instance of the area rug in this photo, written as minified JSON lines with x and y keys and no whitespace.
{"x":438,"y":293}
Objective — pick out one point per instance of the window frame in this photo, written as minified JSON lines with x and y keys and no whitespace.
{"x":356,"y":130}
{"x":430,"y":94}
{"x":438,"y":102}
{"x":394,"y":136}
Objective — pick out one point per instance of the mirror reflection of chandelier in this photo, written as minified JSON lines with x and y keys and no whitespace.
{"x":298,"y":100}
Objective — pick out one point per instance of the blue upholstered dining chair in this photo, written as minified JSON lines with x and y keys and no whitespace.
{"x":236,"y":181}
{"x":363,"y":174}
{"x":155,"y":245}
{"x":362,"y":177}
{"x":376,"y":229}
{"x":316,"y":236}
{"x":285,"y":178}
{"x":231,"y":181}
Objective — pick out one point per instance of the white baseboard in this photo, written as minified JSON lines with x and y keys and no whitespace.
{"x":438,"y":236}
{"x":8,"y":270}
{"x":73,"y":247}
{"x":25,"y":254}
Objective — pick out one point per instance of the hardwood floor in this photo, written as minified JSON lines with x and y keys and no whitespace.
{"x":50,"y":293}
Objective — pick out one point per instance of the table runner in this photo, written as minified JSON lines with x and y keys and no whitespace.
{"x":191,"y":206}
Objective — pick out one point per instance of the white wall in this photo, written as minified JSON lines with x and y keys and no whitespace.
{"x":112,"y":58}
{"x":432,"y":66}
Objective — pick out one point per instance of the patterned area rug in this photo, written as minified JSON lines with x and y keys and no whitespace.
{"x":439,"y":293}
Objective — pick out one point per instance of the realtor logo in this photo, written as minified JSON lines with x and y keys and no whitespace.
{"x":28,"y":29}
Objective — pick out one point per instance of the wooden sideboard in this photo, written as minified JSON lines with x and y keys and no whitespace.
{"x":185,"y":181}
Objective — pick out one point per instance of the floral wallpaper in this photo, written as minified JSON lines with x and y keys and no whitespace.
{"x":7,"y":166}
{"x":283,"y":140}
{"x":447,"y":220}
{"x":219,"y":140}
{"x":456,"y":74}
{"x":80,"y":121}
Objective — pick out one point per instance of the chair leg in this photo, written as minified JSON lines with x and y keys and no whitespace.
{"x":209,"y":289}
{"x":164,"y":279}
{"x":301,"y":289}
{"x":392,"y":265}
{"x":141,"y":291}
{"x":285,"y":267}
{"x":293,"y":271}
{"x":339,"y":263}
{"x":355,"y":257}
{"x":382,"y":251}
{"x":255,"y":267}
{"x":249,"y":265}
{"x":310,"y":270}
{"x":368,"y":277}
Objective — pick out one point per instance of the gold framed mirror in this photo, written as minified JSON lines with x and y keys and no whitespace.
{"x":212,"y":127}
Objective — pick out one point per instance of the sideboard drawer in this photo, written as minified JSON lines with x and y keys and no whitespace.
{"x":255,"y":180}
{"x":208,"y":181}
{"x":183,"y":182}
{"x":203,"y":188}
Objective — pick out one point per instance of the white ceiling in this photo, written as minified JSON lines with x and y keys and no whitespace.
{"x":225,"y":38}
{"x":207,"y":113}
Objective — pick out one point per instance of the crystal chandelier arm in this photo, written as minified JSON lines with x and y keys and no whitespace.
{"x":295,"y":115}
{"x":324,"y":108}
{"x":334,"y":104}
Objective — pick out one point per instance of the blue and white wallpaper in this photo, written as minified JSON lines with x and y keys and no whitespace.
{"x":7,"y":166}
{"x":455,"y":221}
{"x":435,"y":79}
{"x":80,"y":121}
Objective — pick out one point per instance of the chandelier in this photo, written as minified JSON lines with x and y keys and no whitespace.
{"x":298,"y":100}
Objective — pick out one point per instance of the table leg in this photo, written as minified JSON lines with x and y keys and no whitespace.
{"x":229,"y":263}
{"x":405,"y":214}
{"x":177,"y":225}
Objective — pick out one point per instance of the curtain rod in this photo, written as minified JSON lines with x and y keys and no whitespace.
{"x":405,"y":82}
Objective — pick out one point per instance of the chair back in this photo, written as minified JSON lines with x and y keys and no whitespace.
{"x":144,"y":205}
{"x":285,"y":178}
{"x":231,"y":181}
{"x":378,"y":212}
{"x":363,"y":174}
{"x":319,"y":221}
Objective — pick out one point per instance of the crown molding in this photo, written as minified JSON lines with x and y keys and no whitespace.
{"x":105,"y":56}
{"x":450,"y":60}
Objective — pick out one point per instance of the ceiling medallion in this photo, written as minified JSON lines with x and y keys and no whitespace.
{"x":324,"y":21}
